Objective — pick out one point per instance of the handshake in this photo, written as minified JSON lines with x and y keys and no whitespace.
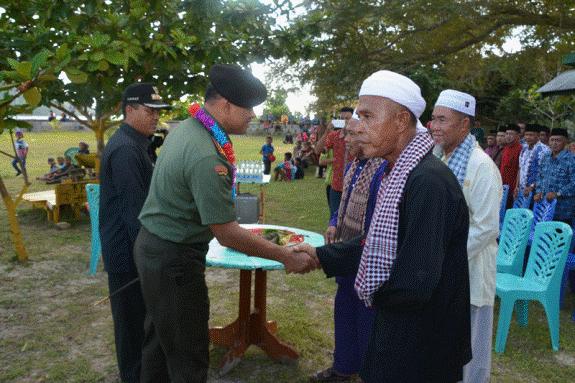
{"x":301,"y":259}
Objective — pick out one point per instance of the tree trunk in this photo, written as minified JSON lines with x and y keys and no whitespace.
{"x":100,"y":128}
{"x":15,"y":232}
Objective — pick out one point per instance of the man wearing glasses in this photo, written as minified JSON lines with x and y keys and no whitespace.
{"x":125,"y":175}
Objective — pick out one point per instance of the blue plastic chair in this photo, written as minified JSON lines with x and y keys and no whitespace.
{"x":523,"y":202}
{"x":513,"y":241}
{"x":93,"y":194}
{"x":543,"y":211}
{"x":502,"y":207}
{"x":542,"y":281}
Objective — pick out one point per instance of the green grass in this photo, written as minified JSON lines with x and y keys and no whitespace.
{"x":51,"y":332}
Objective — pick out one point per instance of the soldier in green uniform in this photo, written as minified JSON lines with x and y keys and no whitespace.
{"x":191,"y":200}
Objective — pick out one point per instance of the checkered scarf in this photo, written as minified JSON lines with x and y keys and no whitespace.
{"x":460,"y":157}
{"x":380,"y":248}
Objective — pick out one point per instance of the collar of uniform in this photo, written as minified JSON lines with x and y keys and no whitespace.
{"x":139,"y":138}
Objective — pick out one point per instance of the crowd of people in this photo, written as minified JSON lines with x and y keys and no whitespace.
{"x":411,"y":237}
{"x":63,"y":166}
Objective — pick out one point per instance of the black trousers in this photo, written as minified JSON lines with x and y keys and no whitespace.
{"x":267,"y":166}
{"x":128,"y":313}
{"x":176,"y":343}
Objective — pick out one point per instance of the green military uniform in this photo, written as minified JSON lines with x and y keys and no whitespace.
{"x":191,"y":188}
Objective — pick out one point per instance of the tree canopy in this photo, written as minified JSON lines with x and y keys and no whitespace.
{"x":440,"y":43}
{"x":113,"y":43}
{"x":276,"y":103}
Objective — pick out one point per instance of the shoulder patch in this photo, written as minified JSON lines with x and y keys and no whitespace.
{"x":221,"y":170}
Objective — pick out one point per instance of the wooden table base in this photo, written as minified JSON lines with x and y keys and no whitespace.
{"x":251,"y":327}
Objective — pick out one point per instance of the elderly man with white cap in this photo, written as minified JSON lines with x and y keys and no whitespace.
{"x":480,"y":181}
{"x":412,"y":265}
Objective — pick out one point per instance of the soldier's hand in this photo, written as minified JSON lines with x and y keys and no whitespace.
{"x":297,"y":261}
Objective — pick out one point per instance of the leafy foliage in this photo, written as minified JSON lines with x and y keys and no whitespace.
{"x":106,"y":45}
{"x":444,"y":43}
{"x":276,"y":103}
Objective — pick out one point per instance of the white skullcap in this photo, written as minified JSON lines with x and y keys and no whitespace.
{"x":397,"y":88}
{"x":456,"y":100}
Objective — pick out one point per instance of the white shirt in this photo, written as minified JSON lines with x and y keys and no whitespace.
{"x":482,"y":189}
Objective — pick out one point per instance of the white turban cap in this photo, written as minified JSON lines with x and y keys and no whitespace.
{"x":456,"y":100}
{"x":397,"y":88}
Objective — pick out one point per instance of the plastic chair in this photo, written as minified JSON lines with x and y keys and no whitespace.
{"x":541,"y":282}
{"x":71,"y":152}
{"x":523,"y":202}
{"x":543,"y":211}
{"x":502,"y":207}
{"x":93,"y":196}
{"x":513,"y":241}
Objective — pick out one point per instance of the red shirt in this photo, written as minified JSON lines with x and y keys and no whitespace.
{"x":337,"y":143}
{"x":510,"y":164}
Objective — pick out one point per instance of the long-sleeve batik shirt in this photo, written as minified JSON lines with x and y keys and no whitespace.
{"x":530,"y":164}
{"x":557,"y":175}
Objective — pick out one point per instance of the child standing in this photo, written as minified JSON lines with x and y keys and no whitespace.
{"x":21,"y":152}
{"x":267,"y":152}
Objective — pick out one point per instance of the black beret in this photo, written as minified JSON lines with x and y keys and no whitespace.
{"x":502,"y":129}
{"x":543,"y":128}
{"x":237,"y":85}
{"x":346,"y":109}
{"x":512,"y":126}
{"x":532,"y":128}
{"x":559,"y":132}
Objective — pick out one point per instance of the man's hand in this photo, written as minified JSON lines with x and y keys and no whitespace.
{"x":298,"y":261}
{"x":537,"y":197}
{"x":527,"y":190}
{"x":550,"y":196}
{"x":329,"y":235}
{"x":311,"y":253}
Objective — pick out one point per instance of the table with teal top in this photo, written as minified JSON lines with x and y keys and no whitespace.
{"x":252,"y":326}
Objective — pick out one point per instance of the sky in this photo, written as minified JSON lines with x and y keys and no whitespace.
{"x":296,"y":101}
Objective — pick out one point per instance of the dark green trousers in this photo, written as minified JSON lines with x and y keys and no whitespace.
{"x":176,"y":341}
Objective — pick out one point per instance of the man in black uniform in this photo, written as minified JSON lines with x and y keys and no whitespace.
{"x":125,"y":177}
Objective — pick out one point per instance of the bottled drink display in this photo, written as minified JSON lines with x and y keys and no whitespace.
{"x":250,"y":171}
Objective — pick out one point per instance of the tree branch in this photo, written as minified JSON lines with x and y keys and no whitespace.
{"x":62,"y":109}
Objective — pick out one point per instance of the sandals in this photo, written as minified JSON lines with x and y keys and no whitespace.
{"x":330,"y":375}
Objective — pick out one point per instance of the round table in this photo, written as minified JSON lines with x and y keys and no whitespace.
{"x":251,"y":326}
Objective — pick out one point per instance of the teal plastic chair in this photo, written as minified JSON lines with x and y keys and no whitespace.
{"x":93,"y":194}
{"x":502,"y":206}
{"x":513,"y":241}
{"x":542,"y":281}
{"x":71,"y":152}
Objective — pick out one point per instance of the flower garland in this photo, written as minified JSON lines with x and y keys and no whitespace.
{"x":223,"y":143}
